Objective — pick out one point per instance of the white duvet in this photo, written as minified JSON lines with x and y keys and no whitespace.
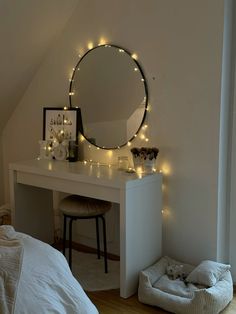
{"x":45,"y":283}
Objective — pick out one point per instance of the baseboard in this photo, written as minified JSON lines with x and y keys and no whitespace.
{"x":83,"y":248}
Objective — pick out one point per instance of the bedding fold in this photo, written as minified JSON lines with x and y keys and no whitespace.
{"x":11,"y":254}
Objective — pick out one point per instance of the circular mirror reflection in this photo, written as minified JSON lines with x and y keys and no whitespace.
{"x":109,"y":87}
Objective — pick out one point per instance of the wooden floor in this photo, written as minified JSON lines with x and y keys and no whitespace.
{"x":109,"y":302}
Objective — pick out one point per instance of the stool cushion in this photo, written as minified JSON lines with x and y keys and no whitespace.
{"x":81,"y":206}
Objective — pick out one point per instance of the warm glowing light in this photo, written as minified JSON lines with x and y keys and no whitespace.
{"x":135,"y":135}
{"x":139,"y":169}
{"x":85,"y":162}
{"x":98,"y":148}
{"x":129,"y":144}
{"x":142,"y":136}
{"x":166,"y":168}
{"x":81,"y":138}
{"x":65,"y":108}
{"x":154,"y":170}
{"x":134,"y":56}
{"x":90,"y":45}
{"x":160,"y":171}
{"x":109,"y":153}
{"x":135,"y":69}
{"x":166,"y":213}
{"x":121,"y":50}
{"x":144,"y":127}
{"x":102,"y":41}
{"x":107,"y":46}
{"x":89,"y":146}
{"x":71,"y":93}
{"x":146,"y":139}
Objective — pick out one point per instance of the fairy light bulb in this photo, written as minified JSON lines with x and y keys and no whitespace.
{"x":129,"y":144}
{"x":90,"y":45}
{"x":102,"y":41}
{"x":134,"y":56}
{"x":81,"y":138}
{"x":110,"y":153}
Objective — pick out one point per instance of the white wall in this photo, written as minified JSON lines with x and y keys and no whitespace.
{"x":1,"y":174}
{"x":232,"y":176}
{"x":179,"y":44}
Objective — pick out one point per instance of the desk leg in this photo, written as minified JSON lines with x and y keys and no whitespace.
{"x":140,"y":233}
{"x":32,"y":210}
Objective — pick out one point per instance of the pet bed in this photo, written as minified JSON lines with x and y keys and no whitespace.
{"x":205,"y":289}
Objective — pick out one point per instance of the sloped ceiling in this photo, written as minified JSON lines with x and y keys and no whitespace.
{"x":27,"y":30}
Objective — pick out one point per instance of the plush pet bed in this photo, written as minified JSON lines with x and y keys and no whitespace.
{"x":181,"y":288}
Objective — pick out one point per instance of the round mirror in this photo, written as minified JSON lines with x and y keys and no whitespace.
{"x":109,"y":87}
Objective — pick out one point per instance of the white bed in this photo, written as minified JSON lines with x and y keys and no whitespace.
{"x":35,"y":278}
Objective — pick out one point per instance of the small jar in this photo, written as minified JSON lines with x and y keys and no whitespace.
{"x":123,"y":163}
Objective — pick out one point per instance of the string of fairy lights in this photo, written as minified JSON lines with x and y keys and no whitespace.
{"x":141,"y":134}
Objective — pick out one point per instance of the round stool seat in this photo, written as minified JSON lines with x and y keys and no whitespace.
{"x":81,"y":206}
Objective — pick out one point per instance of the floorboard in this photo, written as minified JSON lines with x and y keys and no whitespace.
{"x":109,"y":302}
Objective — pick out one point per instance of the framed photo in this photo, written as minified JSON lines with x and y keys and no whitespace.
{"x":66,"y":121}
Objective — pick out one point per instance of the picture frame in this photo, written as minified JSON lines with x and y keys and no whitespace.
{"x":67,"y":119}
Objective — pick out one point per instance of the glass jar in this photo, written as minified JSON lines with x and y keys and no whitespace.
{"x":123,"y":163}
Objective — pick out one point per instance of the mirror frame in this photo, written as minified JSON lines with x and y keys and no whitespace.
{"x":145,"y":90}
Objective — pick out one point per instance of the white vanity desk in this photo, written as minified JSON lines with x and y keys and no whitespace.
{"x":31,"y":197}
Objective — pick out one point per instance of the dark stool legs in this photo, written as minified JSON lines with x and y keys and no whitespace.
{"x":98,"y":239}
{"x":70,"y":242}
{"x":64,"y":236}
{"x":104,"y":242}
{"x":97,"y":235}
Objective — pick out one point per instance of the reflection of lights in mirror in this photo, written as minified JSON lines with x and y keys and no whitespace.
{"x":111,"y":90}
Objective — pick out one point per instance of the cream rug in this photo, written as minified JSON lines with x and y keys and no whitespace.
{"x":89,"y":271}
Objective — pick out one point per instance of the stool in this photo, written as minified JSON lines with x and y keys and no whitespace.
{"x":76,"y":207}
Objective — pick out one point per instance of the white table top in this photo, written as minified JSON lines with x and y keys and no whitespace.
{"x":83,"y":172}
